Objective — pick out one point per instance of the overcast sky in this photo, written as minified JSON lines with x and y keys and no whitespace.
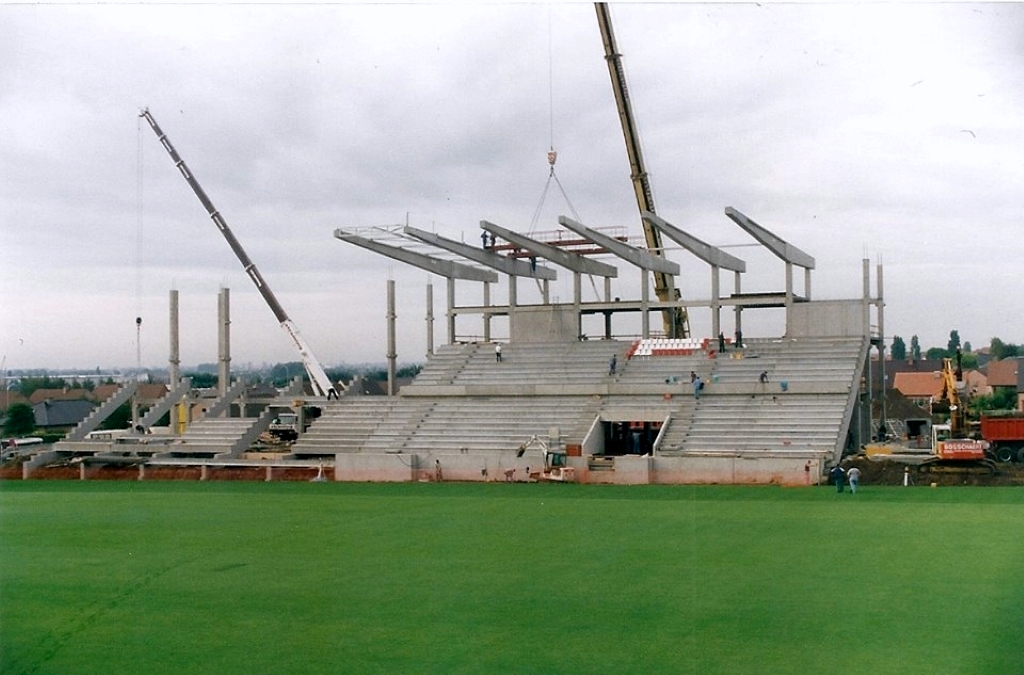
{"x":883,"y":131}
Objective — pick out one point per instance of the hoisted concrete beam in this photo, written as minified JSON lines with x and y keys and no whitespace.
{"x":775,"y":244}
{"x":639,"y":257}
{"x":570,"y":261}
{"x":444,"y":268}
{"x":712,"y":255}
{"x":504,"y":264}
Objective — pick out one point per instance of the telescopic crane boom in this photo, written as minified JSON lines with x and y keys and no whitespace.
{"x":676,"y":320}
{"x":318,"y":377}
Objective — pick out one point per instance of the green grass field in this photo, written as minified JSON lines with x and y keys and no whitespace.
{"x":251,"y":578}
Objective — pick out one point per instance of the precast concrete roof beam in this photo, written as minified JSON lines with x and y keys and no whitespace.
{"x":438,"y":266}
{"x":571,"y":261}
{"x":504,"y":264}
{"x":639,"y":257}
{"x":781,"y":248}
{"x":712,"y":255}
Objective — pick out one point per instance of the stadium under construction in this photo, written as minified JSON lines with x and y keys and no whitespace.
{"x":545,"y":402}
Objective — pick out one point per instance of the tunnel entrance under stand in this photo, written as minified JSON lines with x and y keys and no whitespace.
{"x":630,"y":437}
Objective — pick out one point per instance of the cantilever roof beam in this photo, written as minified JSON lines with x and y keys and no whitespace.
{"x":444,"y":268}
{"x":571,"y":261}
{"x":712,"y":255}
{"x":504,"y":264}
{"x":639,"y":257}
{"x":775,"y":244}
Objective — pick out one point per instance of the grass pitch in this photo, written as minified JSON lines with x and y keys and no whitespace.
{"x":220,"y":577}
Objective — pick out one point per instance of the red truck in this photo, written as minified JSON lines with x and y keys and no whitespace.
{"x":1005,"y":434}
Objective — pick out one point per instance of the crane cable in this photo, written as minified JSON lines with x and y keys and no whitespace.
{"x":552,"y":153}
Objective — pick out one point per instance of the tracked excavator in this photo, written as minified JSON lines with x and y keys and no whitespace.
{"x":676,"y":319}
{"x":319,"y":380}
{"x":951,"y":445}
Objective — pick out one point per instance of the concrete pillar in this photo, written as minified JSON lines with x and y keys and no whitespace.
{"x":430,"y":319}
{"x":81,"y":471}
{"x":513,"y":300}
{"x":142,"y":472}
{"x":224,"y":340}
{"x":270,"y":471}
{"x":392,"y":354}
{"x":881,"y":336}
{"x":204,"y":472}
{"x":866,"y":294}
{"x":577,"y":301}
{"x":175,"y":355}
{"x":738,"y":309}
{"x":487,"y":316}
{"x":716,"y":307}
{"x":789,"y":290}
{"x":645,"y":298}
{"x":451,"y":311}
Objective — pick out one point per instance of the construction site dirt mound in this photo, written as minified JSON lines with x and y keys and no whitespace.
{"x":891,"y":472}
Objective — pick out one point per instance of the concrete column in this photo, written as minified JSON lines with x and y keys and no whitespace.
{"x":451,"y":311}
{"x":645,"y":298}
{"x":392,"y":354}
{"x":142,"y":472}
{"x":487,"y":317}
{"x":224,"y":340}
{"x":789,"y":290}
{"x":270,"y":473}
{"x":716,"y":307}
{"x":577,"y":301}
{"x":430,"y":319}
{"x":881,"y":336}
{"x":513,"y":300}
{"x":738,"y":310}
{"x":204,"y":472}
{"x":175,"y":356}
{"x":866,"y":294}
{"x":807,"y":282}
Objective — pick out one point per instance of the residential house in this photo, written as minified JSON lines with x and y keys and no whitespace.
{"x":923,"y":388}
{"x":1007,"y":374}
{"x":61,"y":413}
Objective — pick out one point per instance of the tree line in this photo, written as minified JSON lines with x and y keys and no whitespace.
{"x":997,"y":350}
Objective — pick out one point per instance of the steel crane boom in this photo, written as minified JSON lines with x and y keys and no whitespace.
{"x":318,"y":377}
{"x":676,"y":320}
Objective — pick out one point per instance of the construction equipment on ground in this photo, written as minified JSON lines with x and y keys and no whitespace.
{"x":677,"y":323}
{"x":556,"y":467}
{"x":949,"y":442}
{"x":319,"y":380}
{"x":1004,"y":431}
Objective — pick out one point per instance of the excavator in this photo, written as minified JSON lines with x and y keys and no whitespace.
{"x":950,"y":443}
{"x":319,"y":380}
{"x":676,"y":319}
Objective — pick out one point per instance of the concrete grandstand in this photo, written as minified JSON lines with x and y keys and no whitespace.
{"x":774,"y":409}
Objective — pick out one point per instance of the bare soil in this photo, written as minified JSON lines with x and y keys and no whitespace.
{"x":964,"y":473}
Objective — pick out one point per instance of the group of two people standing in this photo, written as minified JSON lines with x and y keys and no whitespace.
{"x":839,"y":477}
